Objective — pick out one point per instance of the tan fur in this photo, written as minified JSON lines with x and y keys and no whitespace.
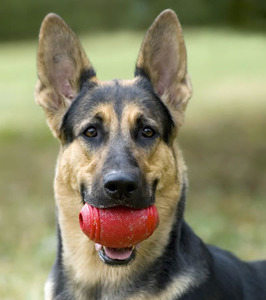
{"x":176,"y":288}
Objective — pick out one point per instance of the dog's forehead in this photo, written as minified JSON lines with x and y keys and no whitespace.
{"x":120,"y":94}
{"x":112,"y":99}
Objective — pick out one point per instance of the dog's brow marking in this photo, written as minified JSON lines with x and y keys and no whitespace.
{"x":131,"y":113}
{"x":103,"y":111}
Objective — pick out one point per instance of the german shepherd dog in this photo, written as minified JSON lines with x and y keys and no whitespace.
{"x":124,"y":131}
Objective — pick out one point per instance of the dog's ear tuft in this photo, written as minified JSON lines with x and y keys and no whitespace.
{"x":163,"y":59}
{"x":61,"y":64}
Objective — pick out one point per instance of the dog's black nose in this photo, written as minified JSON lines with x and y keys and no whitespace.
{"x":120,"y":185}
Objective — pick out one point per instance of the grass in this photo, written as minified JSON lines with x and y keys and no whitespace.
{"x":223,"y":141}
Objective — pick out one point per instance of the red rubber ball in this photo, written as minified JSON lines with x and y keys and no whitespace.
{"x":118,"y":227}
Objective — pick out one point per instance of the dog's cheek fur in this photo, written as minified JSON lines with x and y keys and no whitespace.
{"x":72,"y":162}
{"x":73,"y":165}
{"x":156,"y":166}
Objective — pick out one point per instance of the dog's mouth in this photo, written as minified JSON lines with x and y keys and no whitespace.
{"x":116,"y":256}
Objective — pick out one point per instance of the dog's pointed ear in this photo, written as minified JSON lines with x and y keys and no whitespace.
{"x":62,"y":68}
{"x":163,"y":59}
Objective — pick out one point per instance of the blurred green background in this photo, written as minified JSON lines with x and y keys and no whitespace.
{"x":223,"y":138}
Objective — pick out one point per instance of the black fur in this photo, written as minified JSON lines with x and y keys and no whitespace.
{"x":85,"y":77}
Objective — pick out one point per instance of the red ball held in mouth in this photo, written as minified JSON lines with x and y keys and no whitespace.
{"x":118,"y":227}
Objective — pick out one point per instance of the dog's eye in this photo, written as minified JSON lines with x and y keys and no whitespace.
{"x":148,"y":132}
{"x":91,"y":132}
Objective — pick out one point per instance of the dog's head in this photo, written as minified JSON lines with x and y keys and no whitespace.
{"x":117,"y":137}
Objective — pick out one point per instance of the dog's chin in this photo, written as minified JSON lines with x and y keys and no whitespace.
{"x":115,"y":256}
